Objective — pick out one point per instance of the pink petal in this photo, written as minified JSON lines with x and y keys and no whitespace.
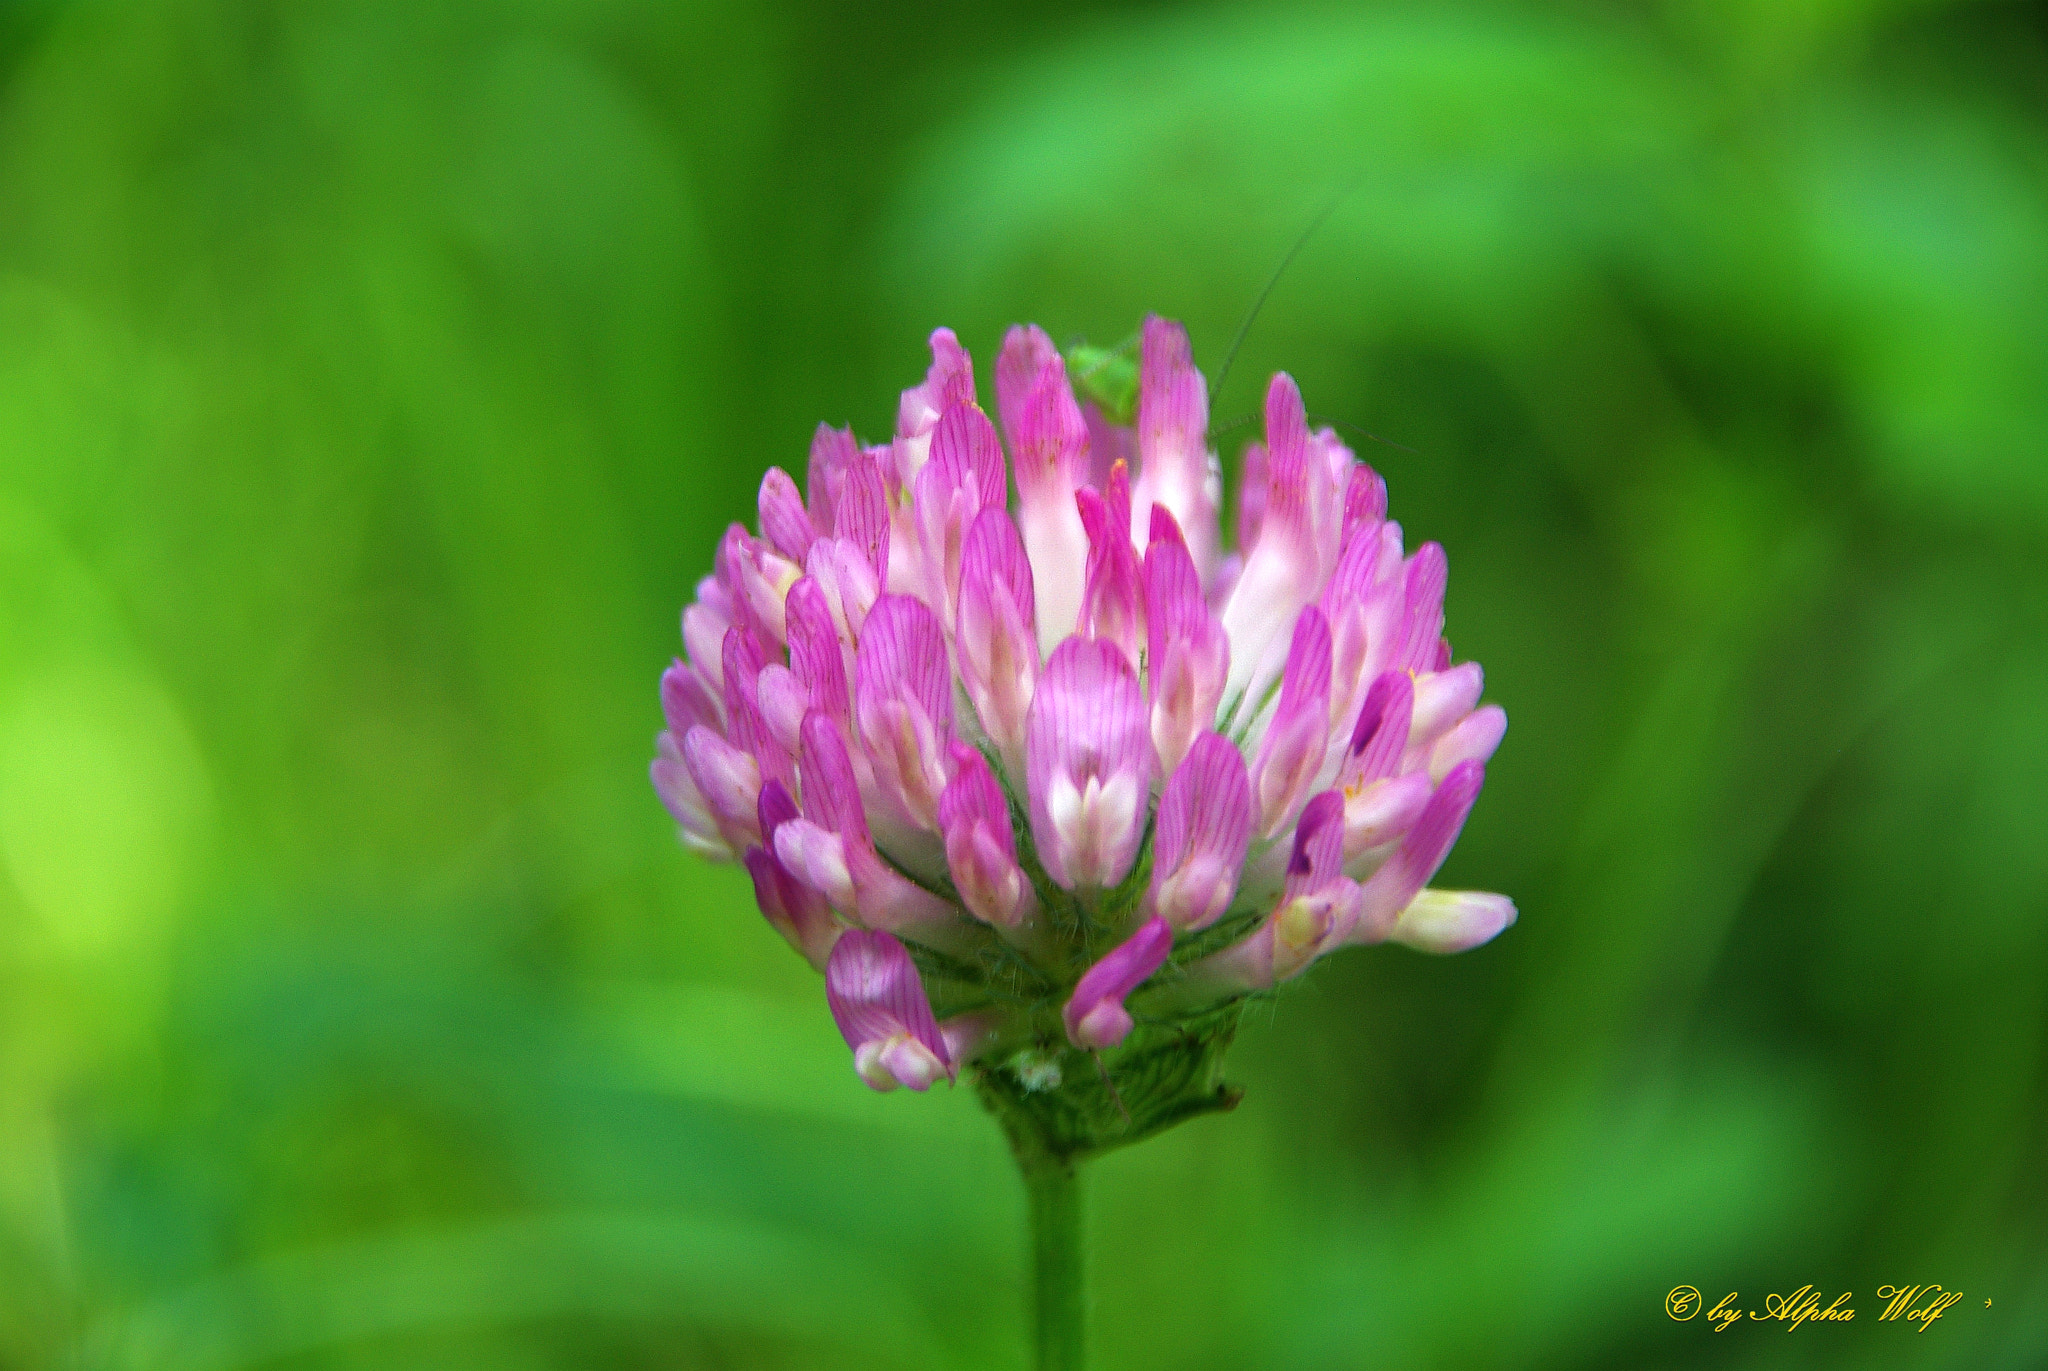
{"x":981,"y":849}
{"x":1187,"y":651}
{"x":964,"y":475}
{"x":831,"y":791}
{"x":1095,"y":1015}
{"x":1086,"y":755}
{"x":1381,"y":733}
{"x":1295,"y":741}
{"x":1365,"y":500}
{"x":818,"y":858}
{"x":1176,"y":470}
{"x":1297,"y":544}
{"x":996,"y":634}
{"x":672,"y":782}
{"x":1318,"y":907}
{"x":850,"y":583}
{"x":747,"y":728}
{"x":1048,"y":442}
{"x":876,"y":998}
{"x":799,"y":913}
{"x":903,"y":704}
{"x":1112,"y":596}
{"x":783,"y":702}
{"x":729,"y":781}
{"x":785,"y":524}
{"x":863,"y":518}
{"x":967,"y":452}
{"x":1201,"y":835}
{"x":1318,"y":860}
{"x":687,"y":700}
{"x":833,"y":452}
{"x":758,"y":577}
{"x":832,"y":848}
{"x":1473,"y":740}
{"x":1378,"y":812}
{"x":1442,"y":699}
{"x":1251,"y":495}
{"x":816,"y":654}
{"x":704,"y":625}
{"x":948,"y":382}
{"x":1320,"y":904}
{"x":1389,"y":889}
{"x":1363,"y":615}
{"x":1428,"y":573}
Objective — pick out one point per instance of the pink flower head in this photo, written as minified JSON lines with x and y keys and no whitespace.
{"x":1072,"y":750}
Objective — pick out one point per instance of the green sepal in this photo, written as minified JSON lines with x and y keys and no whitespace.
{"x":1107,"y":376}
{"x":1160,"y":1075}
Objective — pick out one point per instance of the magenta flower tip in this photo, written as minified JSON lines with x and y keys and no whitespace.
{"x":1095,"y":1015}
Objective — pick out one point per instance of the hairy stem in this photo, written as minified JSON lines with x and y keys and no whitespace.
{"x":1052,"y":1186}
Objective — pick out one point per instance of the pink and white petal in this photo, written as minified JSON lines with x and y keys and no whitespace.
{"x":1176,"y":470}
{"x":783,"y":701}
{"x":1428,"y":574}
{"x":1294,"y":744}
{"x":1112,"y":595}
{"x":995,"y":639}
{"x":1381,"y":812}
{"x":1388,"y":890}
{"x":863,"y":513}
{"x":1048,"y":444}
{"x":964,"y":475}
{"x":1473,"y":740}
{"x":1087,"y":756}
{"x":851,"y":587}
{"x":903,"y":705}
{"x":1201,"y":835}
{"x":1448,"y":921}
{"x":1253,"y":480}
{"x":729,"y":781}
{"x":1188,"y":653}
{"x":699,"y":828}
{"x":880,"y":1006}
{"x":1297,"y":543}
{"x":1443,"y":699}
{"x":981,"y":849}
{"x":1365,"y":500}
{"x":947,"y":382}
{"x":687,"y":700}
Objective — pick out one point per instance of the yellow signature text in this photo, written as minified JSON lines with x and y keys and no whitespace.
{"x":1919,"y":1305}
{"x":1933,"y":1301}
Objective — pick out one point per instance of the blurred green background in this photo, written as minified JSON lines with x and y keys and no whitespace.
{"x":375,"y":380}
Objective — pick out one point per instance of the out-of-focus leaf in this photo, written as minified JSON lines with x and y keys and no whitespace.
{"x":663,"y":1270}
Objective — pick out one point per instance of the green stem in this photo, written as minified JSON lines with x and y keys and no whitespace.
{"x":1053,"y":1187}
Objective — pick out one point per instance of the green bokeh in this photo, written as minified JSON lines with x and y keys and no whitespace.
{"x":375,"y":380}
